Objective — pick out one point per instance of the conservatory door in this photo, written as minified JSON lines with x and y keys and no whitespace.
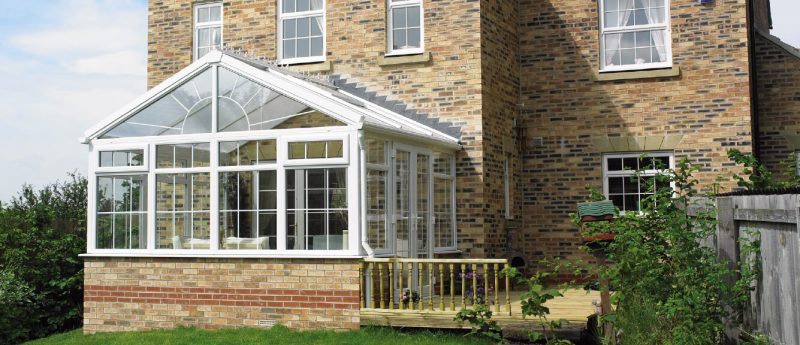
{"x":412,"y":221}
{"x":412,"y":203}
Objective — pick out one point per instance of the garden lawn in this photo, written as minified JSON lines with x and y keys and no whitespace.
{"x":277,"y":335}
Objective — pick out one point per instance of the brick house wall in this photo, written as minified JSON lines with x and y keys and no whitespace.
{"x":567,"y":114}
{"x":778,"y":81}
{"x":126,"y":294}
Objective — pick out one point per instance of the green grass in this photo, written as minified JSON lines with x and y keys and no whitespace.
{"x":277,"y":335}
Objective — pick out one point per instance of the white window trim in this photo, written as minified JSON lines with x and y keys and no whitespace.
{"x":390,"y":5}
{"x":628,"y":173}
{"x":196,"y":26}
{"x":388,"y":249}
{"x":453,"y":224}
{"x":283,"y":16}
{"x":667,"y":41}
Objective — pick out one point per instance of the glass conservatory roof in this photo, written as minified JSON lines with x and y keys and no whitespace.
{"x":249,"y":97}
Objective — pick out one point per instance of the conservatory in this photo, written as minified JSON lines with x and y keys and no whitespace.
{"x":233,"y":157}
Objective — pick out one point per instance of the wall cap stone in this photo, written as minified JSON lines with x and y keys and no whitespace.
{"x":319,"y":67}
{"x":404,"y":59}
{"x":674,"y":71}
{"x":639,"y":143}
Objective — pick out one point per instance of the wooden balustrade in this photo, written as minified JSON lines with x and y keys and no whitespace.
{"x":416,"y":285}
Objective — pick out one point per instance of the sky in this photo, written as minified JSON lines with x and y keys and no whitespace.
{"x":67,"y":64}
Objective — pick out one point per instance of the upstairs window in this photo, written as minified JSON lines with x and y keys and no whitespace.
{"x":405,"y":27}
{"x":635,"y":34}
{"x":207,"y":28}
{"x":301,"y":30}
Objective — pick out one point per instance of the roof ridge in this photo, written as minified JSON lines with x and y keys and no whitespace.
{"x":397,"y":106}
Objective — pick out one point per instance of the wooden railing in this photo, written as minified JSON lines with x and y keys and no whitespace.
{"x":441,"y":285}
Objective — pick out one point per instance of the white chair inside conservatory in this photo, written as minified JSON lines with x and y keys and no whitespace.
{"x":180,"y":242}
{"x":245,"y":243}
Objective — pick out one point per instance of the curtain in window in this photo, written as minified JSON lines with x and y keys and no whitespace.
{"x":316,"y":4}
{"x":656,"y":15}
{"x":626,"y":7}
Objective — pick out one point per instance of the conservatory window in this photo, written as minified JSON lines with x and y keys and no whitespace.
{"x":443,"y":187}
{"x":248,"y":209}
{"x":316,"y":209}
{"x":405,"y":27}
{"x":207,"y":28}
{"x":183,"y":156}
{"x":628,"y":179}
{"x":301,"y":27}
{"x":635,"y":34}
{"x":183,"y":217}
{"x":255,"y":152}
{"x":121,"y":212}
{"x":122,"y":158}
{"x":377,"y":192}
{"x":316,"y":149}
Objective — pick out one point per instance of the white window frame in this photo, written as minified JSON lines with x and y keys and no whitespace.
{"x":388,"y":216}
{"x":626,"y":29}
{"x":197,"y":26}
{"x":453,"y":226}
{"x":95,"y":161}
{"x":284,"y":16}
{"x":629,"y":173}
{"x":391,"y":5}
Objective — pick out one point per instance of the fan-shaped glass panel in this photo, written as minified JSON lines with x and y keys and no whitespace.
{"x":247,"y":106}
{"x":185,"y":110}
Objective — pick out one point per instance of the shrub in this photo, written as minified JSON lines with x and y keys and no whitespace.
{"x":41,"y":234}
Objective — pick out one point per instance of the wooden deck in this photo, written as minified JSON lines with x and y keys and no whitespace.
{"x":575,"y":307}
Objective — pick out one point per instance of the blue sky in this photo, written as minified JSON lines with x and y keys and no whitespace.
{"x":67,"y":64}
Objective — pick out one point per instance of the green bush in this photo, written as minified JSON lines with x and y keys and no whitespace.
{"x":670,"y":288}
{"x":41,"y":277}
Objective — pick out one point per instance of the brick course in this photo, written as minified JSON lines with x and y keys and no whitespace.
{"x":127,"y":294}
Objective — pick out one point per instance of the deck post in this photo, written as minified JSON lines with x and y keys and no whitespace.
{"x":508,"y":288}
{"x":430,"y":286}
{"x":463,"y":286}
{"x":420,"y":267}
{"x":380,"y":284}
{"x":452,"y":289}
{"x":391,"y":285}
{"x":410,"y":286}
{"x":400,"y":269}
{"x":441,"y":287}
{"x":474,"y":284}
{"x":370,"y":272}
{"x":496,"y":288}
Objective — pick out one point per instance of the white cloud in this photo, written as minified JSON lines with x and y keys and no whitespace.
{"x":119,"y":63}
{"x":81,"y":62}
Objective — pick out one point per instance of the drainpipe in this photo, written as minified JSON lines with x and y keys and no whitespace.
{"x":751,"y":52}
{"x":362,"y":173}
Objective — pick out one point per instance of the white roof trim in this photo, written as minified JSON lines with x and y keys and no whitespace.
{"x":311,"y":94}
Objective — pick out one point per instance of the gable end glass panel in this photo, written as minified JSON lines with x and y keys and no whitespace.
{"x":185,"y":110}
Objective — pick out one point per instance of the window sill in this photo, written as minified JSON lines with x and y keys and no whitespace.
{"x":318,"y":67}
{"x":393,"y":60}
{"x":225,"y":255}
{"x":643,"y":74}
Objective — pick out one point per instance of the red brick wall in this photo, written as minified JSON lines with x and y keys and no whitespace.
{"x":125,"y":294}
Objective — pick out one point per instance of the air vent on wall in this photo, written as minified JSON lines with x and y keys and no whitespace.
{"x":268,"y":323}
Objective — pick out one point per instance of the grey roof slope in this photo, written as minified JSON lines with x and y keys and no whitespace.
{"x":396,"y":106}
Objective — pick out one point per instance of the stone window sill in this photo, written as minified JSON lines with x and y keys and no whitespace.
{"x":674,"y":71}
{"x":318,"y":67}
{"x":404,"y":59}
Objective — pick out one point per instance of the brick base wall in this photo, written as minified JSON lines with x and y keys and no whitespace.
{"x":129,"y":294}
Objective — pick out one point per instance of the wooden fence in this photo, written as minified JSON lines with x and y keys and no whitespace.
{"x":775,"y":306}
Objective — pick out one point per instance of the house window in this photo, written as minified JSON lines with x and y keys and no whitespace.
{"x":302,"y":31}
{"x":443,"y":200}
{"x":377,"y":194}
{"x":248,"y":209}
{"x":635,"y":34}
{"x":627,"y":189}
{"x":122,"y":158}
{"x":207,"y":28}
{"x":405,"y":26}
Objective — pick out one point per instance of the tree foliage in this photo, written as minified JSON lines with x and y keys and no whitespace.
{"x":42,"y":232}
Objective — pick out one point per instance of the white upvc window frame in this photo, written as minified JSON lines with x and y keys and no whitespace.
{"x":453,"y":226}
{"x":196,"y":26}
{"x":282,"y":138}
{"x":389,"y":244}
{"x":305,"y":14}
{"x":390,"y":7}
{"x":626,"y":173}
{"x":627,"y":29}
{"x":95,"y":161}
